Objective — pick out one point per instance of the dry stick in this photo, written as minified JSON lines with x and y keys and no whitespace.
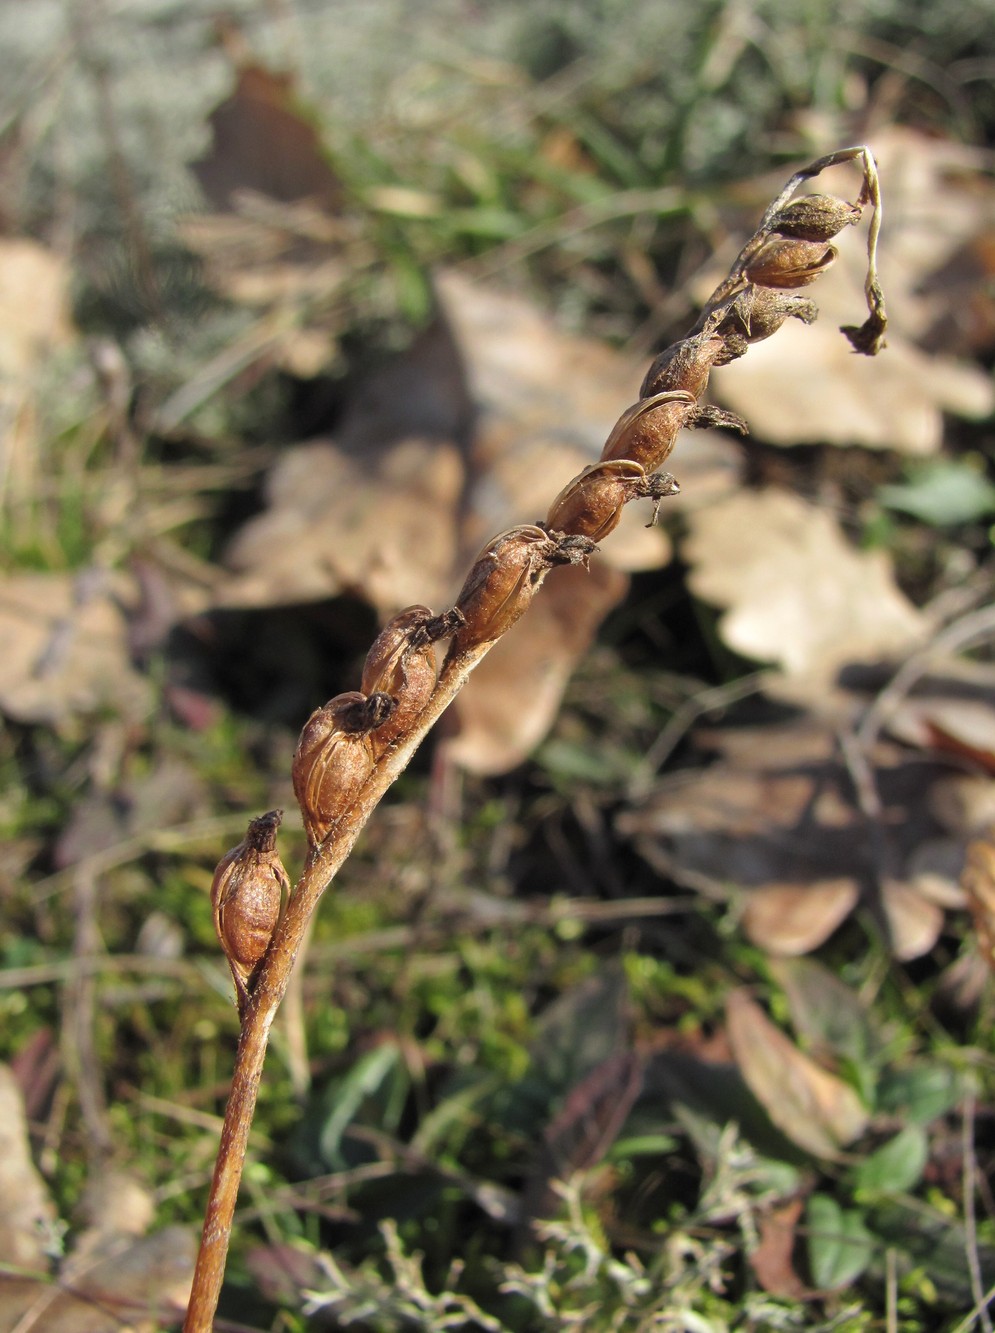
{"x":587,"y":508}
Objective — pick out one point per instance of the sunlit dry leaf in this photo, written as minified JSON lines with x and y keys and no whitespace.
{"x":771,"y":1261}
{"x":963,"y":727}
{"x":794,"y":590}
{"x":340,"y":523}
{"x":933,"y":871}
{"x":27,"y":1217}
{"x":964,"y":803}
{"x":792,"y":919}
{"x":64,"y":648}
{"x":913,"y":923}
{"x":34,"y":323}
{"x":815,"y":1109}
{"x":978,"y":880}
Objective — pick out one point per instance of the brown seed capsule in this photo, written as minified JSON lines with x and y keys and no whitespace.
{"x":685,"y":365}
{"x":247,"y":895}
{"x":402,"y":665}
{"x":591,"y":505}
{"x":646,"y":432}
{"x":505,"y":577}
{"x":783,"y":261}
{"x":334,"y":757}
{"x":758,"y":312}
{"x":817,"y":217}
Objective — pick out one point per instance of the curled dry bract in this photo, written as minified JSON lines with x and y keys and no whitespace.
{"x":816,"y":217}
{"x":401,"y":664}
{"x":505,"y":577}
{"x":783,"y":261}
{"x":247,"y":896}
{"x":647,"y":431}
{"x":335,"y":756}
{"x":591,"y":505}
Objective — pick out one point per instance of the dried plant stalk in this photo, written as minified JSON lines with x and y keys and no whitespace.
{"x":352,"y":750}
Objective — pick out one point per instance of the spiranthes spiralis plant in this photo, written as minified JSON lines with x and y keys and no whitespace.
{"x":352,"y":749}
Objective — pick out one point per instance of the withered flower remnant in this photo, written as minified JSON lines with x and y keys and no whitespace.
{"x":591,"y":505}
{"x":402,"y":664}
{"x":783,"y":261}
{"x":505,"y":577}
{"x":686,"y":364}
{"x":335,"y":755}
{"x":248,"y":891}
{"x":816,"y":217}
{"x":646,"y":432}
{"x":758,"y":312}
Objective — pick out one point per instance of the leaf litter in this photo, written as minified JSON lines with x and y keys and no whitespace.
{"x":457,"y":439}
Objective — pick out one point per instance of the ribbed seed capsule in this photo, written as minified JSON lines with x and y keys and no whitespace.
{"x":505,"y":577}
{"x":401,"y":664}
{"x":591,"y":505}
{"x":646,"y":432}
{"x":758,"y":312}
{"x":247,"y":895}
{"x":335,"y":756}
{"x":816,"y":217}
{"x":783,"y":261}
{"x":686,"y":365}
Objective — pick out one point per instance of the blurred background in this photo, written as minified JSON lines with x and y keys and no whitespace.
{"x":658,"y":995}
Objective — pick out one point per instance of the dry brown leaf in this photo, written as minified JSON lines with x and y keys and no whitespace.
{"x":912,"y":922}
{"x":771,"y":1260}
{"x":963,"y":803}
{"x":64,"y":647}
{"x":340,"y":523}
{"x":262,"y":142}
{"x":27,"y":1216}
{"x":813,"y":1108}
{"x":795,"y":591}
{"x":792,"y":919}
{"x":776,"y":816}
{"x":34,"y":323}
{"x":978,"y":880}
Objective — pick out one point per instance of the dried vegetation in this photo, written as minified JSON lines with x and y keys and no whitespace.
{"x":686,"y":1023}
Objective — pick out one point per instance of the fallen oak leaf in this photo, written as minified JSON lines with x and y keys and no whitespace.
{"x":794,"y":591}
{"x":813,"y":1108}
{"x":792,"y":919}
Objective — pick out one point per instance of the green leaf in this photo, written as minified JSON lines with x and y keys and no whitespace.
{"x":839,"y":1245}
{"x":364,"y":1079}
{"x":824,"y":1010}
{"x":920,"y":1093}
{"x":942,"y":494}
{"x":897,"y":1165}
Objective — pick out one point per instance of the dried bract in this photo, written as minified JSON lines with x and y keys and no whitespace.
{"x":591,"y":505}
{"x":247,"y":895}
{"x":686,"y":365}
{"x":783,"y":261}
{"x":402,"y":665}
{"x":505,"y":577}
{"x":647,"y":431}
{"x":758,"y":312}
{"x":816,"y":217}
{"x":335,"y":756}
